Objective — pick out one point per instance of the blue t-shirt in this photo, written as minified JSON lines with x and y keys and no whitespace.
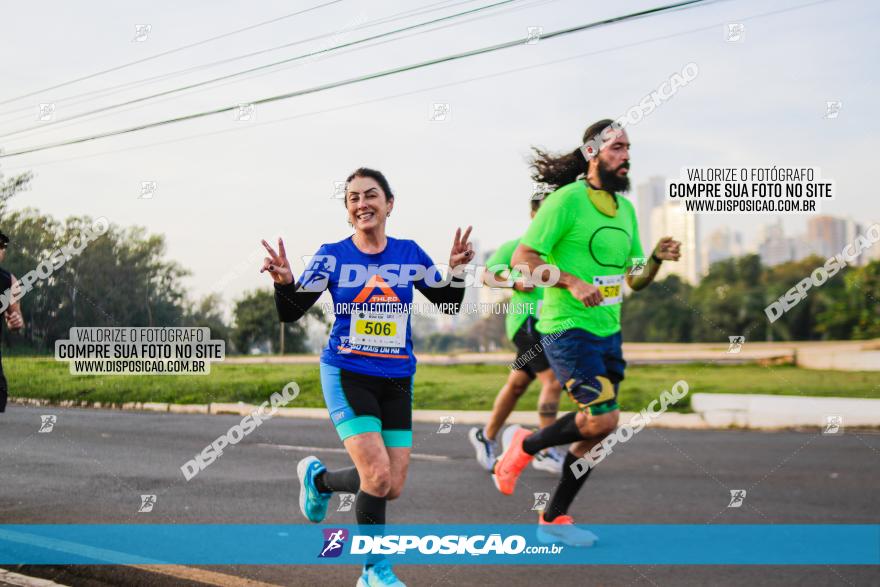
{"x":376,"y":291}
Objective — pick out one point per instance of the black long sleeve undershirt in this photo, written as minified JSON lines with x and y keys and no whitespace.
{"x":292,"y":303}
{"x":444,"y":295}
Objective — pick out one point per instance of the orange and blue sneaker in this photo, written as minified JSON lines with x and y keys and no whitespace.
{"x":512,"y":461}
{"x":562,"y":529}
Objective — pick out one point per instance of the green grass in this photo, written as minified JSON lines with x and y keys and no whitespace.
{"x":460,"y":387}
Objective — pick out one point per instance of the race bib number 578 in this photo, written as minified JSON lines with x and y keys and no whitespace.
{"x":611,"y":288}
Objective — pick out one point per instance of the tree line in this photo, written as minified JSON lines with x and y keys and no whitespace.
{"x":123,"y":278}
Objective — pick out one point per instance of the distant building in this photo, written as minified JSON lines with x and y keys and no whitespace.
{"x":722,"y":243}
{"x":853,"y":229}
{"x":872,"y":254}
{"x":828,"y":234}
{"x":649,"y":195}
{"x":669,"y":219}
{"x":773,"y":246}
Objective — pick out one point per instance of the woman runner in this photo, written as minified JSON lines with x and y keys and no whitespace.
{"x":368,"y":364}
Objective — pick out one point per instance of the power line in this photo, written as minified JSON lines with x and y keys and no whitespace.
{"x":539,"y":2}
{"x":377,"y":75}
{"x":119,"y":87}
{"x":371,"y":100}
{"x":417,"y":91}
{"x":170,"y":51}
{"x":262,"y":67}
{"x":270,"y":71}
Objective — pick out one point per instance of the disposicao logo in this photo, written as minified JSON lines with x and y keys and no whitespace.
{"x":334,"y":539}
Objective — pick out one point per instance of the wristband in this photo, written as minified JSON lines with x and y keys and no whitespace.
{"x":656,"y":259}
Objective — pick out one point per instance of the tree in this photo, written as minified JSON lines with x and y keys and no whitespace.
{"x":256,"y":324}
{"x":730,"y":300}
{"x":800,"y":322}
{"x":207,"y":312}
{"x":855,"y":311}
{"x":659,"y":313}
{"x":11,"y":187}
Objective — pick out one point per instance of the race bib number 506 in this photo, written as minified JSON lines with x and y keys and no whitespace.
{"x":384,"y":329}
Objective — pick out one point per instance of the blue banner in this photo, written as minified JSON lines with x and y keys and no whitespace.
{"x":601,"y":544}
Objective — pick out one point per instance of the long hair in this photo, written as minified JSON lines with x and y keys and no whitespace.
{"x":372,"y":174}
{"x":559,"y":170}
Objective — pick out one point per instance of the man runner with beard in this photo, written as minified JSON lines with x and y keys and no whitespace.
{"x":590,"y":233}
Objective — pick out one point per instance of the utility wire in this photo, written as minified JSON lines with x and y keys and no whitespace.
{"x":422,"y":90}
{"x":247,"y":77}
{"x":119,"y":87}
{"x":170,"y":51}
{"x":261,"y":67}
{"x":359,"y":79}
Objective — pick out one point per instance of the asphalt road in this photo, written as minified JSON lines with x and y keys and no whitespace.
{"x":95,"y":464}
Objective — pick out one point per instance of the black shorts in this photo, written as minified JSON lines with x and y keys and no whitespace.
{"x":361,"y":403}
{"x":530,"y":355}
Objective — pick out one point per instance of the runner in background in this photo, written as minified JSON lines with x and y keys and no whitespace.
{"x":530,"y":363}
{"x":12,"y":313}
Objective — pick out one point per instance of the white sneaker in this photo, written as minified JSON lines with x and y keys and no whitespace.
{"x":550,"y":460}
{"x":486,"y":449}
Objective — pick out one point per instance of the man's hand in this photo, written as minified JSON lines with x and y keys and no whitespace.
{"x":521,"y":285}
{"x":668,"y":249}
{"x":14,"y":320}
{"x":588,"y":295}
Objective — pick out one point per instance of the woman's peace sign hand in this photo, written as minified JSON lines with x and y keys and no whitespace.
{"x":276,"y":264}
{"x":462,"y":251}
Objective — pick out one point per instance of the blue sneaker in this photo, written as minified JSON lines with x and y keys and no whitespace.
{"x":312,"y":503}
{"x":379,"y":575}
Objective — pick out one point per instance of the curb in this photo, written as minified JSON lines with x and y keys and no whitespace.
{"x":722,"y":410}
{"x":474,"y":417}
{"x":713,"y":411}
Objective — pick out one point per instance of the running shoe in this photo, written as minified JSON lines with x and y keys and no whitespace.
{"x":312,"y":503}
{"x":562,"y":529}
{"x":550,"y":460}
{"x":379,"y":575}
{"x":487,"y":450}
{"x":512,"y":461}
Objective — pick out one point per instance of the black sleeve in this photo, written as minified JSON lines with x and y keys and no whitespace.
{"x":448,"y":294}
{"x":291,"y":303}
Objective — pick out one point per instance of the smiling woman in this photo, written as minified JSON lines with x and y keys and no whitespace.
{"x":366,"y":208}
{"x":368,"y":365}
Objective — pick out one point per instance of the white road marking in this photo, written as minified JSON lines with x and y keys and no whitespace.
{"x":100,"y":555}
{"x":10,"y":578}
{"x":203,"y":576}
{"x":415,"y":455}
{"x":97,"y":554}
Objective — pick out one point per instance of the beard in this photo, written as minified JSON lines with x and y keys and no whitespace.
{"x":612,"y":182}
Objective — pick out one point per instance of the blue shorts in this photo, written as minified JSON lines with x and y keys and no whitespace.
{"x":589,"y":367}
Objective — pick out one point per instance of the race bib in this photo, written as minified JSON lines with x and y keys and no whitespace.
{"x":384,"y":329}
{"x":611,"y":288}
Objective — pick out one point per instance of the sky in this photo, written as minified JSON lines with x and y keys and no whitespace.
{"x":223,"y":184}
